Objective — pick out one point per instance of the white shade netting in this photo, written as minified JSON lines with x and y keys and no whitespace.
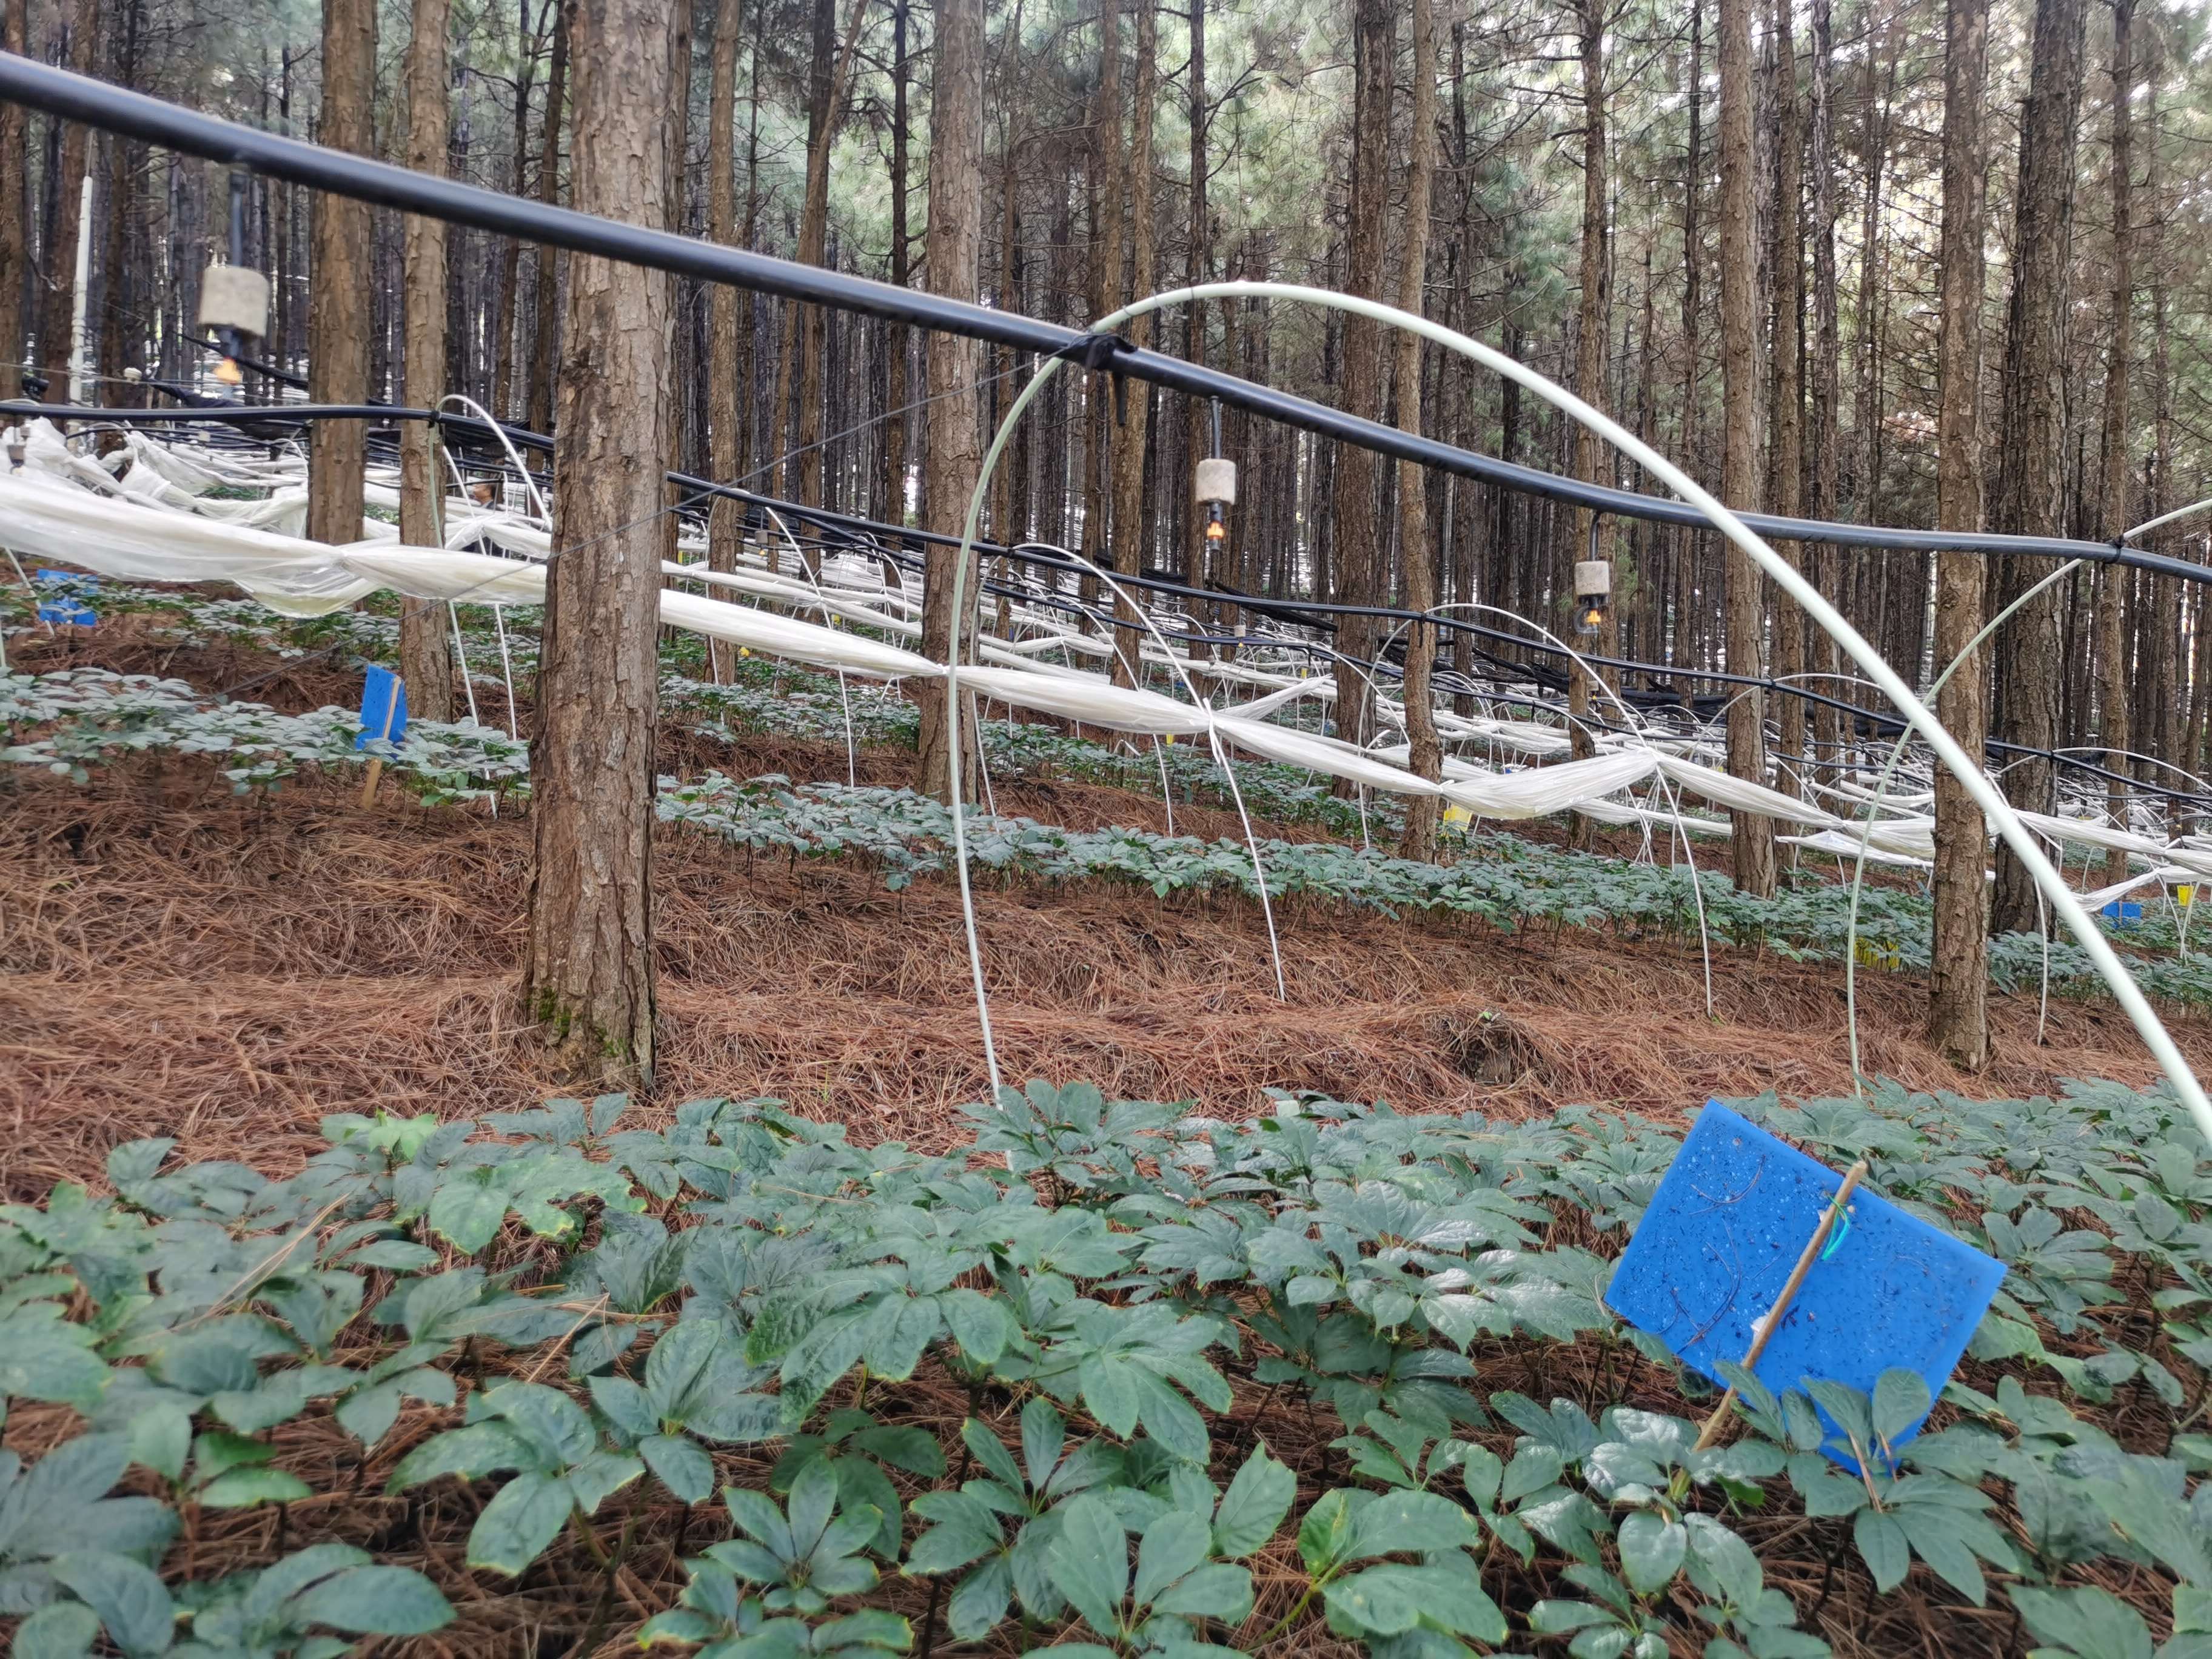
{"x":144,"y":515}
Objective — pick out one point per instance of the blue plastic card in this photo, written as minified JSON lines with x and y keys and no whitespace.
{"x":383,"y":697}
{"x":1727,"y":1224}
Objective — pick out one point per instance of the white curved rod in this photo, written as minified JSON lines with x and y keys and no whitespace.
{"x":2149,"y":525}
{"x":1977,"y":784}
{"x":499,"y":431}
{"x":1933,"y":731}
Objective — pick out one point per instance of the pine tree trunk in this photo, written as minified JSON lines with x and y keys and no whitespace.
{"x":1358,"y":551}
{"x":588,"y":969}
{"x":1753,"y":836}
{"x":901,"y":344}
{"x":57,"y":342}
{"x":545,"y":335}
{"x":2031,"y":453}
{"x":426,"y":652}
{"x":727,"y":397}
{"x":952,"y":455}
{"x":340,"y":296}
{"x":1134,"y":418}
{"x":1785,"y":459}
{"x":2113,"y":500}
{"x":119,"y":346}
{"x":1827,"y":370}
{"x":1415,"y":535}
{"x":1590,"y":354}
{"x":1105,"y":191}
{"x":15,"y":238}
{"x":504,"y":345}
{"x":825,"y":108}
{"x":1958,"y":979}
{"x":1693,"y":265}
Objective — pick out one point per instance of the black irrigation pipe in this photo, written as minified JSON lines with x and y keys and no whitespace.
{"x":151,"y":120}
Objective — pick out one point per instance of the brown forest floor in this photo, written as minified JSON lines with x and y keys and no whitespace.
{"x":175,"y":961}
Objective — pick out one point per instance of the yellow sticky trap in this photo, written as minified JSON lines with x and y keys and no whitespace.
{"x":2184,"y":894}
{"x":1876,"y":953}
{"x":1456,"y":814}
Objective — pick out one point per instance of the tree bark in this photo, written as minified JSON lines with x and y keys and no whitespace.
{"x":827,"y":85}
{"x":2031,"y":453}
{"x":119,"y":339}
{"x":727,"y":397}
{"x":1785,"y":456}
{"x":15,"y":239}
{"x":1358,"y":543}
{"x":339,"y":296}
{"x":504,"y":345}
{"x":1958,"y":980}
{"x":1753,"y":836}
{"x":1828,"y":366}
{"x":1105,"y":191}
{"x":952,"y":456}
{"x":57,"y":341}
{"x":426,"y":652}
{"x":546,"y":335}
{"x":900,"y":346}
{"x":1591,"y":341}
{"x":1134,"y":417}
{"x":1415,"y":538}
{"x":2112,"y":670}
{"x":587,"y":968}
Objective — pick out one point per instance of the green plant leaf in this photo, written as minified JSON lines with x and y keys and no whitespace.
{"x":1258,"y":1496}
{"x":1883,"y":1546}
{"x":1089,"y":1562}
{"x":376,"y":1601}
{"x":1651,"y":1550}
{"x":523,"y":1517}
{"x":1901,"y":1399}
{"x":680,"y":1466}
{"x":133,"y":1605}
{"x":243,"y":1488}
{"x":2089,"y":1623}
{"x":61,"y":1630}
{"x":1170,"y":1549}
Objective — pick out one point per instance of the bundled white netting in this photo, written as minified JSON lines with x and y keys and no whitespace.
{"x":145,"y":513}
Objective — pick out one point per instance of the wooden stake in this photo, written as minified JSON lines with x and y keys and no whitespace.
{"x":376,"y":761}
{"x":1852,"y":1176}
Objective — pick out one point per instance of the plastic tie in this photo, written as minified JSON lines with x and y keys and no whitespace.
{"x":1096,"y":352}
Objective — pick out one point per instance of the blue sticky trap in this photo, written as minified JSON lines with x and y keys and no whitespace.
{"x":1729,"y":1222}
{"x":2127,"y":914}
{"x":83,"y":583}
{"x":67,"y":613}
{"x":382,"y":692}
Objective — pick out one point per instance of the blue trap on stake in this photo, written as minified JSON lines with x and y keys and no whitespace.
{"x":67,"y":608}
{"x":1727,"y":1225}
{"x":383,"y":698}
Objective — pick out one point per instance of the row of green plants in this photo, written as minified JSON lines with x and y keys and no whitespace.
{"x":759,"y":697}
{"x":1498,"y":879}
{"x":69,"y":721}
{"x":740,"y":1318}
